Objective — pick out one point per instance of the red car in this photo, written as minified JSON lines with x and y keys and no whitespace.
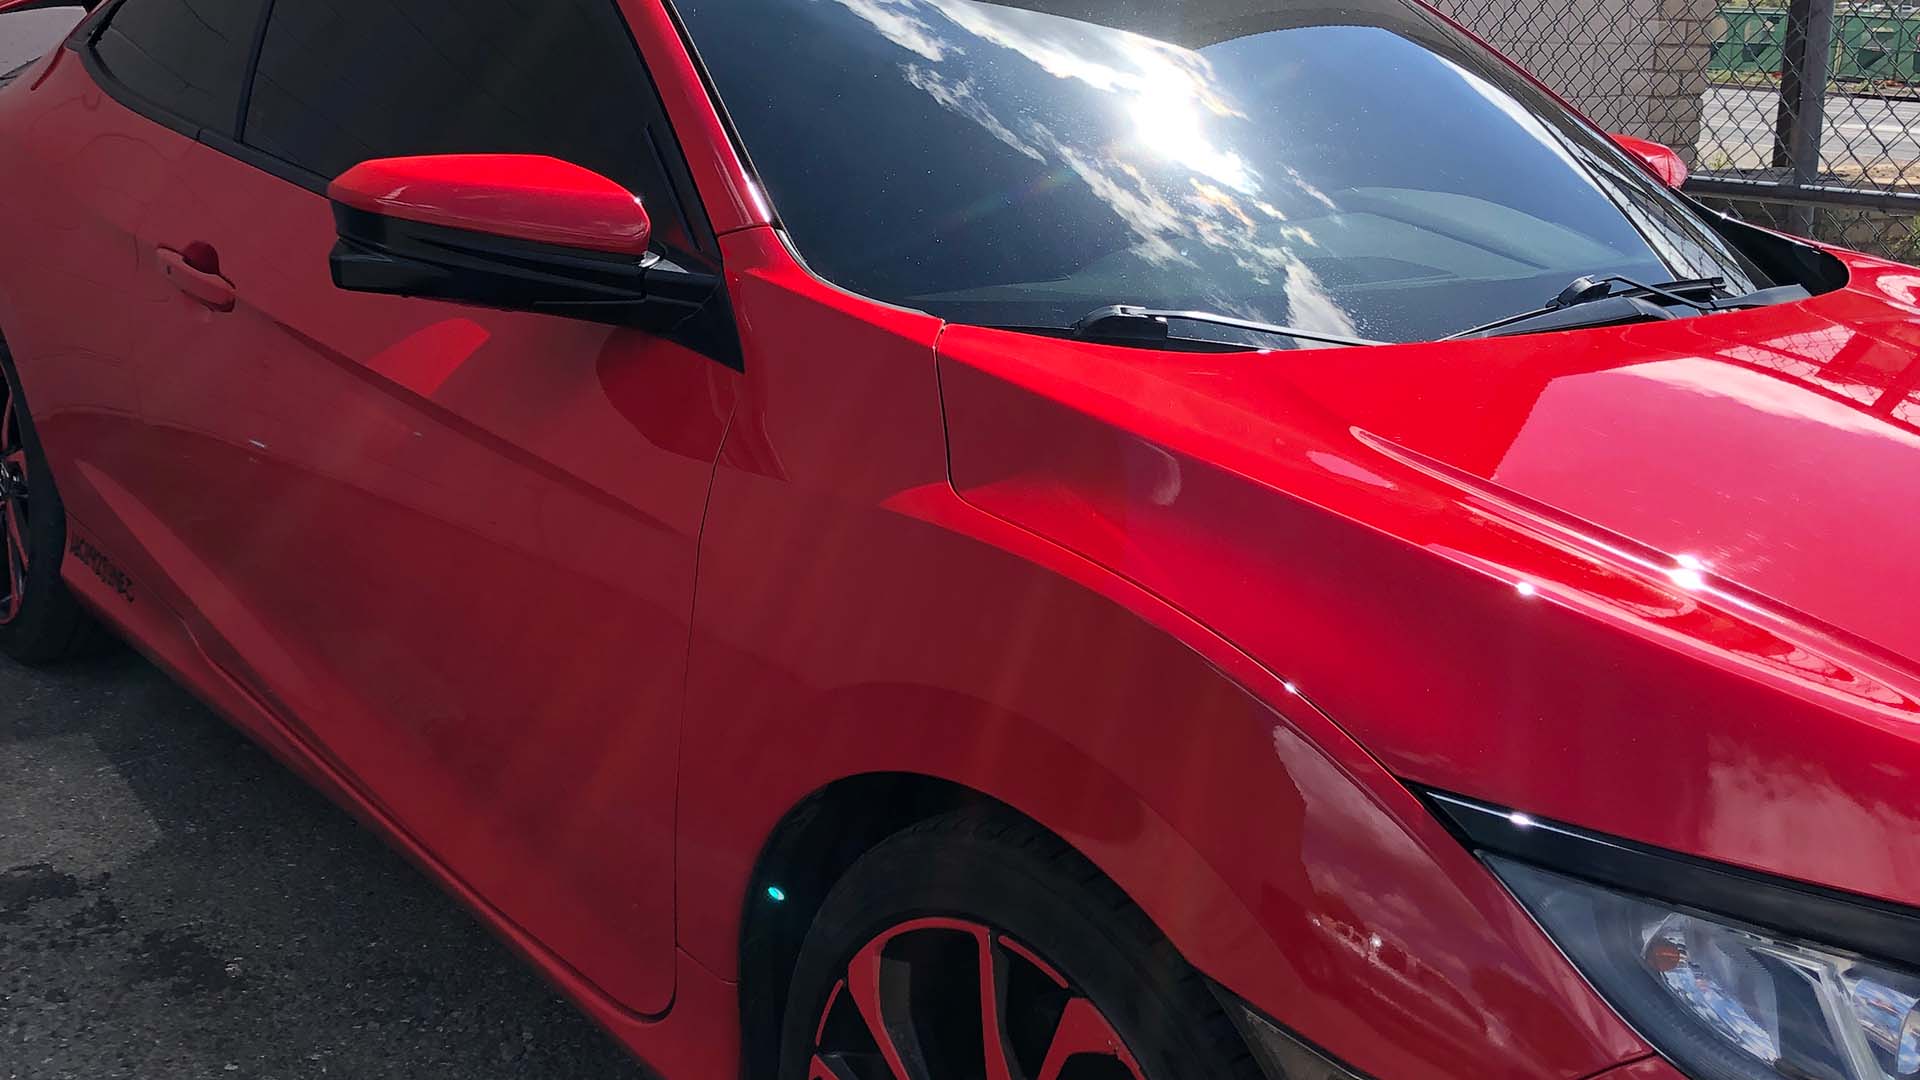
{"x":1040,"y":540}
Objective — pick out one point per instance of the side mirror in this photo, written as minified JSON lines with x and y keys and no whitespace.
{"x":1660,"y":160}
{"x":512,"y":231}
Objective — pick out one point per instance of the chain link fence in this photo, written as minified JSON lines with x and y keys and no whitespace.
{"x":1803,"y":114}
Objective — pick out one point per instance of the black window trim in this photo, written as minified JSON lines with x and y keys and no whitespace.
{"x":84,"y":42}
{"x":671,"y":154}
{"x":253,"y":65}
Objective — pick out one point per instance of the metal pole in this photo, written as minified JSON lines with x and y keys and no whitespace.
{"x":1811,"y":108}
{"x":1793,"y":66}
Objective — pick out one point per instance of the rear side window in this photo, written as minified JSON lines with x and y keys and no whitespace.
{"x":343,"y":81}
{"x":188,"y":57}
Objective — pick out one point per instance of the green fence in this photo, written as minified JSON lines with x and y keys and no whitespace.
{"x":1874,"y":44}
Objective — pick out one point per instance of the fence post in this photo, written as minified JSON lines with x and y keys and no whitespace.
{"x":1805,"y":65}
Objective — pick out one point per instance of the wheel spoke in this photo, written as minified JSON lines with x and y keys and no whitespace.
{"x":828,"y":1068}
{"x":13,"y":462}
{"x":993,"y":1009}
{"x":1083,"y":1030}
{"x":885,"y":990}
{"x":16,"y":568}
{"x":833,"y":996}
{"x":871,"y":993}
{"x":16,"y":536}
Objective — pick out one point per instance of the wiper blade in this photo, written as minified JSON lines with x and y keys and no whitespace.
{"x":1585,"y":290}
{"x":1632,"y":304}
{"x":1146,"y":326}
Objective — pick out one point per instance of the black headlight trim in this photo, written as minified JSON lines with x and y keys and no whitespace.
{"x":1814,"y":913}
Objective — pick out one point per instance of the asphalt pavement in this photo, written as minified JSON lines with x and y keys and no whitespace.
{"x":174,"y":903}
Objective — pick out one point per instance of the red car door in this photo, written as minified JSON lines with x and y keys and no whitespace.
{"x":452,"y":548}
{"x":86,"y":174}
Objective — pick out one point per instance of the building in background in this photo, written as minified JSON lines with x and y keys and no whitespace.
{"x":1638,"y":67}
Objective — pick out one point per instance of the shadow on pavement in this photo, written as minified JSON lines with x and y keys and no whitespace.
{"x":174,"y":903}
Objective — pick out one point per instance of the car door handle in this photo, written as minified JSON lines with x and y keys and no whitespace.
{"x":207,"y":288}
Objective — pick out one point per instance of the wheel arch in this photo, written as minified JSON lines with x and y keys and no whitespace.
{"x":950,"y":758}
{"x":810,"y":849}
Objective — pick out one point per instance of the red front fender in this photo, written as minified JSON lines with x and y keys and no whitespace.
{"x":1280,"y":858}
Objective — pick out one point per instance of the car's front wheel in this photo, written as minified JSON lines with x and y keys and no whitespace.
{"x":40,"y":620}
{"x":978,"y":945}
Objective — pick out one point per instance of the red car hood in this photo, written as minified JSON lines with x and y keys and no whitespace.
{"x":1660,"y":581}
{"x":1779,"y":452}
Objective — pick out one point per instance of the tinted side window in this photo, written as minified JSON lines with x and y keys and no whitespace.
{"x":189,"y":57}
{"x":342,"y":81}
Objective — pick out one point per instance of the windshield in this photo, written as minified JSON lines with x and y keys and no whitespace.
{"x":1361,"y":170}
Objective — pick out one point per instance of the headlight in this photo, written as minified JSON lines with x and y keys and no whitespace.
{"x":1726,"y":1000}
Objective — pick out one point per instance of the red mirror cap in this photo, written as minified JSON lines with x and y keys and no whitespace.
{"x":1661,"y":160}
{"x":519,"y":196}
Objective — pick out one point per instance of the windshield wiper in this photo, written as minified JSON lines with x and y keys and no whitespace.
{"x":1600,"y":305}
{"x":1128,"y":324}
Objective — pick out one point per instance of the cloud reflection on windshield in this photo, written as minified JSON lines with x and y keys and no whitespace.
{"x":1173,"y":183}
{"x":895,"y":22}
{"x":959,"y":97}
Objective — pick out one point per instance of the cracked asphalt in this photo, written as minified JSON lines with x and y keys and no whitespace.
{"x":174,"y":903}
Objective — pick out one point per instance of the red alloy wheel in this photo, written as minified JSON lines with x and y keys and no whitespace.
{"x":968,"y":999}
{"x":13,"y":503}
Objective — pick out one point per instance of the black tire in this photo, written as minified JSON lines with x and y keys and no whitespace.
{"x":1010,"y":880}
{"x":50,"y":625}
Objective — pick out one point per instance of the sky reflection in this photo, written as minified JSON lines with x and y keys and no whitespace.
{"x":1364,"y":174}
{"x":1170,"y":95}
